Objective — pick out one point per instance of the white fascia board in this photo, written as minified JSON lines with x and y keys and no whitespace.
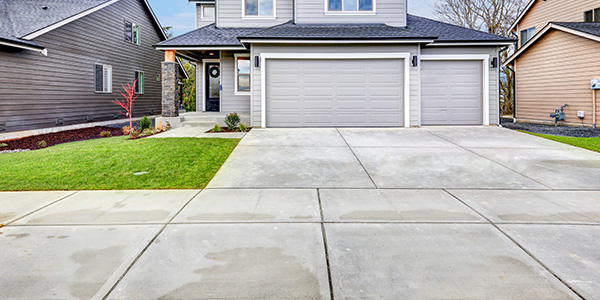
{"x":443,"y":44}
{"x":395,"y":55}
{"x":216,"y":48}
{"x":68,"y":20}
{"x":276,"y":41}
{"x":485,"y":59}
{"x":44,"y":51}
{"x":520,"y":17}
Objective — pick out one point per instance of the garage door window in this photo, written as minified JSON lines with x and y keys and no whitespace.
{"x":242,"y":76}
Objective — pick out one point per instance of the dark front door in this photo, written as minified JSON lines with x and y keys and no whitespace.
{"x":213,"y":86}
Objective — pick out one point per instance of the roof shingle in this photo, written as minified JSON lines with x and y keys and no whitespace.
{"x":209,"y":36}
{"x":590,"y":28}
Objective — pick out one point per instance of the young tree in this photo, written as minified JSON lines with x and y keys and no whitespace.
{"x":189,"y":87}
{"x":493,"y":16}
{"x":127,"y":101}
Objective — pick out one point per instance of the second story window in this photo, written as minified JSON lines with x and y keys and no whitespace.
{"x":208,"y":12}
{"x":350,"y":5}
{"x":592,"y":16}
{"x":259,"y":8}
{"x":526,"y":35}
{"x":132,"y":32}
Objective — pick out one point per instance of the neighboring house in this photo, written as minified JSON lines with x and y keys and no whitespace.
{"x":559,"y":43}
{"x":339,"y":63}
{"x":62,"y":61}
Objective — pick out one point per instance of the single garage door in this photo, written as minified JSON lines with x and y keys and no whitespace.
{"x":451,"y":93}
{"x":334,"y":93}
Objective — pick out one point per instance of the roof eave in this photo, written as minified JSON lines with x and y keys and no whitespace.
{"x":199,"y":47}
{"x":520,"y":17}
{"x":24,"y":46}
{"x":472,"y":43}
{"x":349,"y":40}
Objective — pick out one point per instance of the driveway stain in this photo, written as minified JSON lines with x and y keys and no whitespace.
{"x":230,"y":216}
{"x":251,"y":273}
{"x":18,"y":236}
{"x":95,"y":266}
{"x":423,"y":214}
{"x":99,"y":215}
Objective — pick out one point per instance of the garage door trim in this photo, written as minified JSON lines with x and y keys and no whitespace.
{"x":263,"y":70}
{"x":485,"y":59}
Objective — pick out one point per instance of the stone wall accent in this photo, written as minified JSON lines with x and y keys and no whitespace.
{"x":170,"y":99}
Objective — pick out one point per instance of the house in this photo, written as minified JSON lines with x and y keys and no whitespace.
{"x":556,"y":59}
{"x":62,"y":62}
{"x":334,"y":63}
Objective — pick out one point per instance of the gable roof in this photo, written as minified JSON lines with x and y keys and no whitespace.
{"x":447,"y":33}
{"x":207,"y":36}
{"x":521,"y":15}
{"x":586,"y":30}
{"x":23,"y":20}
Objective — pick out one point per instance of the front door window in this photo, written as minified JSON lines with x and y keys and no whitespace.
{"x":213,"y":87}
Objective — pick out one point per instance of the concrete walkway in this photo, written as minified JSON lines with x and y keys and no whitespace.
{"x":439,"y":213}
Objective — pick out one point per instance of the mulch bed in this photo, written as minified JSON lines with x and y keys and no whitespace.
{"x":226,"y":130}
{"x":585,"y":132}
{"x":61,"y":137}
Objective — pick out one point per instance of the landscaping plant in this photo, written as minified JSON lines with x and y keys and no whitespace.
{"x":127,"y":101}
{"x":145,"y":123}
{"x":216,"y":128}
{"x":3,"y":145}
{"x":42,"y":144}
{"x":126,"y":130}
{"x":231,"y":120}
{"x":135,"y":133}
{"x":243,"y":128}
{"x":105,"y":134}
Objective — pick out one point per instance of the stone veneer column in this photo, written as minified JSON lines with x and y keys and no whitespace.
{"x":170,"y":101}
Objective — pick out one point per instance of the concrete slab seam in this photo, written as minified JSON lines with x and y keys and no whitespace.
{"x":331,"y":292}
{"x":148,"y":246}
{"x":519,"y":245}
{"x":45,"y":206}
{"x":357,"y":159}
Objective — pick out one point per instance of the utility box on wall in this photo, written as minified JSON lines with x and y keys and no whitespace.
{"x":595,"y":84}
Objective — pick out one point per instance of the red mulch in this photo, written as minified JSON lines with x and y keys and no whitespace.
{"x":56,"y":138}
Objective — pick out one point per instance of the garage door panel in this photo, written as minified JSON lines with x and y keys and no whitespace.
{"x":451,"y":93}
{"x":333,"y":93}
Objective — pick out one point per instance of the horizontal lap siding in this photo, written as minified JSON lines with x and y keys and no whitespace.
{"x":35,"y":90}
{"x":554,"y":71}
{"x":391,"y":12}
{"x":230,"y":14}
{"x":546,"y":11}
{"x":230,"y":102}
{"x":494,"y":82}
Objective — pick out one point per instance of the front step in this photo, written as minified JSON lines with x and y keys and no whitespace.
{"x":198,"y":124}
{"x":211,"y":119}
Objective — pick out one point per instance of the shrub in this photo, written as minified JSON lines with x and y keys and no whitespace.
{"x":231,"y":120}
{"x":126,"y":130}
{"x":243,"y":128}
{"x":168,"y":127}
{"x":135,"y":133}
{"x":3,"y":145}
{"x":42,"y":144}
{"x":216,"y":128}
{"x":105,"y":134}
{"x":147,"y":132}
{"x":145,"y":123}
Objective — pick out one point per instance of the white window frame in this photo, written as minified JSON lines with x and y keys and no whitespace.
{"x":346,"y":13}
{"x":529,"y":37}
{"x":141,"y":92}
{"x":237,"y":91}
{"x":405,"y":56}
{"x":203,"y":17}
{"x":106,"y":71}
{"x":485,"y":59}
{"x":259,"y":17}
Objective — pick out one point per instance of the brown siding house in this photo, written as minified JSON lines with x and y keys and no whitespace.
{"x":559,"y":43}
{"x":49,"y":69}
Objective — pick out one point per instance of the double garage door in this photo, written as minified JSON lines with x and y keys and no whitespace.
{"x":368,"y":93}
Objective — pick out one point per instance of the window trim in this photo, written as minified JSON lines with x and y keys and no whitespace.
{"x":527,"y":32}
{"x":104,"y":67}
{"x":141,"y":86}
{"x":259,"y":16}
{"x":134,"y":28}
{"x":349,"y":13}
{"x":591,"y":11}
{"x":236,"y":74}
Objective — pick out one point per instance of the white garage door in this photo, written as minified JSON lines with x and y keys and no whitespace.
{"x":334,"y":93}
{"x":451,"y":93}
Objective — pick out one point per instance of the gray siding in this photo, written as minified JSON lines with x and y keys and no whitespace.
{"x":230,"y":14}
{"x":36,"y":90}
{"x":201,"y":22}
{"x":257,"y":49}
{"x":391,"y":12}
{"x":494,"y":73}
{"x":230,"y":102}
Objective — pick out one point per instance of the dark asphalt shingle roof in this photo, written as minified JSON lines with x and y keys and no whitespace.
{"x":451,"y":33}
{"x":209,"y":36}
{"x":335,"y":31}
{"x":590,"y":28}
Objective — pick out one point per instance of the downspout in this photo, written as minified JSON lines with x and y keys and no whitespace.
{"x":595,"y":107}
{"x":294,"y":8}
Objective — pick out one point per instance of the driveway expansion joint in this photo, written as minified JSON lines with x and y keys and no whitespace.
{"x":40,"y":208}
{"x":357,"y":159}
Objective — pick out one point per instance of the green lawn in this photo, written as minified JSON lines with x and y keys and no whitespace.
{"x":586,"y":143}
{"x":109,"y":164}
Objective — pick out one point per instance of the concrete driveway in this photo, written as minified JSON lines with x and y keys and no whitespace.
{"x":435,"y":213}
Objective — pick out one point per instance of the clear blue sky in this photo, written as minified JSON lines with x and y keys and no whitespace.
{"x":180,"y":13}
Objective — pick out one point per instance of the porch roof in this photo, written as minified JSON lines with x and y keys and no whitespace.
{"x":208,"y":36}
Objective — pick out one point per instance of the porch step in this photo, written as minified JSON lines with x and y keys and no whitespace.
{"x":210,"y":119}
{"x":198,"y":123}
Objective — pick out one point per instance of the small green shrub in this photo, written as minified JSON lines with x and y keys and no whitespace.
{"x":231,"y":120}
{"x":126,"y":130}
{"x":105,"y":134}
{"x":3,"y":145}
{"x":147,"y":132}
{"x":216,"y":128}
{"x":243,"y":128}
{"x":42,"y":144}
{"x":135,"y":133}
{"x":145,"y":123}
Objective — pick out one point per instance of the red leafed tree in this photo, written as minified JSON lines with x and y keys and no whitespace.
{"x":126,"y":102}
